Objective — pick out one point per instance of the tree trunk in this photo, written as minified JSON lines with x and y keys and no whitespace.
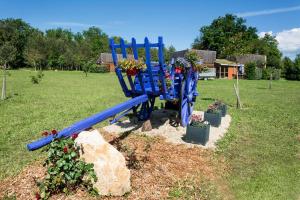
{"x":3,"y":96}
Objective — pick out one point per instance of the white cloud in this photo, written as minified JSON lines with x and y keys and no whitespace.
{"x":268,"y":12}
{"x":288,"y":41}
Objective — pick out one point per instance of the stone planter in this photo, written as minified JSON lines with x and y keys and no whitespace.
{"x":197,"y":135}
{"x":213,"y":118}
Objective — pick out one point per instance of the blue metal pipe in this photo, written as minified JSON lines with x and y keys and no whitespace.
{"x":89,"y":122}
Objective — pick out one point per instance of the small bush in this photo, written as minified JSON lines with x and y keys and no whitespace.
{"x":99,"y":69}
{"x":65,"y":170}
{"x":250,"y":70}
{"x":266,"y":73}
{"x":37,"y":78}
{"x":292,"y":73}
{"x":258,"y":73}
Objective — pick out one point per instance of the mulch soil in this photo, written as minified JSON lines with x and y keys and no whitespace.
{"x":155,"y":167}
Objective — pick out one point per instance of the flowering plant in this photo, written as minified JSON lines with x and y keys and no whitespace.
{"x":213,"y":109}
{"x":65,"y":170}
{"x":132,"y":66}
{"x":197,"y":120}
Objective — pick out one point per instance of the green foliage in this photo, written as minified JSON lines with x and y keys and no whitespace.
{"x":250,"y":70}
{"x":227,"y":35}
{"x":268,"y":46}
{"x":7,"y":53}
{"x":292,"y":69}
{"x":36,"y":79}
{"x":15,"y":32}
{"x":65,"y":171}
{"x":59,"y":49}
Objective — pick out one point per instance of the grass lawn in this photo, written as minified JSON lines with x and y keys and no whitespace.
{"x":262,"y":147}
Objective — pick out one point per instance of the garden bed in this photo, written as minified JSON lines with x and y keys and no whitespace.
{"x":159,"y":166}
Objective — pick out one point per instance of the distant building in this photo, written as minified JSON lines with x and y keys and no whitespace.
{"x":209,"y":57}
{"x":105,"y":59}
{"x":227,"y":69}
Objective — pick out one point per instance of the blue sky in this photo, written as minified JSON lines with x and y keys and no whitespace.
{"x":177,"y":21}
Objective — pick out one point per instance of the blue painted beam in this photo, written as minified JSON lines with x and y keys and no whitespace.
{"x":89,"y":122}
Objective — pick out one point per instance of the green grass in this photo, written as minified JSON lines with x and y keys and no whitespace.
{"x":261,"y":146}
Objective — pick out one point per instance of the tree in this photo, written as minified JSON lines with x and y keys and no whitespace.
{"x":287,"y":64}
{"x":7,"y":54}
{"x":169,"y":52}
{"x":35,"y":52}
{"x":226,"y":35}
{"x":16,"y":32}
{"x":268,"y":46}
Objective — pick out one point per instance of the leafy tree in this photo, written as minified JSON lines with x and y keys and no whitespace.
{"x":287,"y":64}
{"x":227,"y":35}
{"x":268,"y":46}
{"x":16,"y":32}
{"x":7,"y":54}
{"x":35,"y":52}
{"x":168,"y":53}
{"x":250,"y":70}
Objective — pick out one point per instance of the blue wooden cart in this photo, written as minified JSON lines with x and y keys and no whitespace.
{"x":143,"y":88}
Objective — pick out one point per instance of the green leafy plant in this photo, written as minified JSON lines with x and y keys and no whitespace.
{"x":65,"y":170}
{"x":197,"y":121}
{"x":213,"y":108}
{"x":193,"y":58}
{"x":37,"y":78}
{"x":250,"y":70}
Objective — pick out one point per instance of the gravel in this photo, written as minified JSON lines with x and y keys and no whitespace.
{"x":161,"y":126}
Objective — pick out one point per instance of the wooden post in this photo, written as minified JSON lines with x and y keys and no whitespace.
{"x":270,"y":82}
{"x":3,"y":95}
{"x":238,"y":104}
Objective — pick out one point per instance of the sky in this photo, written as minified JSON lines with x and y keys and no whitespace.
{"x":178,"y":21}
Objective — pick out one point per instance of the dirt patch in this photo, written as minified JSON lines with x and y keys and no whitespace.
{"x":156,"y":167}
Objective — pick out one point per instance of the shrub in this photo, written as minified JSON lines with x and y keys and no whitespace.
{"x":65,"y":170}
{"x":37,"y":78}
{"x":266,"y":73}
{"x":292,"y":73}
{"x":258,"y":73}
{"x":250,"y":70}
{"x":99,"y":69}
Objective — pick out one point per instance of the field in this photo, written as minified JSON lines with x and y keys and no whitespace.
{"x":261,"y":149}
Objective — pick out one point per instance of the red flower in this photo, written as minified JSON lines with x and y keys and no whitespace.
{"x":54,"y":132}
{"x":177,"y":70}
{"x":45,"y":133}
{"x":65,"y":149}
{"x":37,"y":196}
{"x":74,"y":136}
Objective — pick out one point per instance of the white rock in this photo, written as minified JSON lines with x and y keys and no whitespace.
{"x":109,"y":164}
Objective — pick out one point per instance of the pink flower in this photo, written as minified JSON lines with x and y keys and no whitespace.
{"x":74,"y":136}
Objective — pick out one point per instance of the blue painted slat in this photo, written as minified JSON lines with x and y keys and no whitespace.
{"x":89,"y":122}
{"x":117,"y":69}
{"x":136,"y":57}
{"x":161,"y":64}
{"x":148,"y":63}
{"x":124,"y":54}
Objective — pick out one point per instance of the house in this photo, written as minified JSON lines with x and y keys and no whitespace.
{"x":105,"y":59}
{"x":227,"y":69}
{"x":208,"y":57}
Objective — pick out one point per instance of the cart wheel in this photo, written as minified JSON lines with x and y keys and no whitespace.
{"x":188,"y":91}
